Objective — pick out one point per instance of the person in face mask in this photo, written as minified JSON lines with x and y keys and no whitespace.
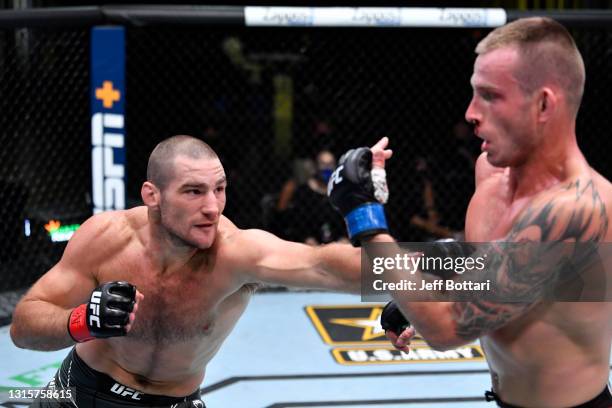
{"x":326,"y":163}
{"x":310,"y":217}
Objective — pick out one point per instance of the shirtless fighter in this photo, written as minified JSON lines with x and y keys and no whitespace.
{"x":533,"y":185}
{"x":161,"y":286}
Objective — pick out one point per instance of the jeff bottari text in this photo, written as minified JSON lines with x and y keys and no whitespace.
{"x":439,"y":284}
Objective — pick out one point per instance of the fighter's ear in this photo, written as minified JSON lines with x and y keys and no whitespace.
{"x":150,"y":194}
{"x":547,"y":103}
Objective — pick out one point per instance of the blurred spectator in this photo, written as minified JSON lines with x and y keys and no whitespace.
{"x":465,"y":146}
{"x":428,"y":219}
{"x":447,"y":185}
{"x":303,"y":170}
{"x":307,"y":214}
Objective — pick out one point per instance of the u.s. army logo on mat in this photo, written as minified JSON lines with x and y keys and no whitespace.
{"x":359,"y":326}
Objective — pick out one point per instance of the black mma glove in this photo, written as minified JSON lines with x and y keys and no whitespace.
{"x":392,"y":319}
{"x":447,"y":248}
{"x":351,"y":192}
{"x":105,"y":315}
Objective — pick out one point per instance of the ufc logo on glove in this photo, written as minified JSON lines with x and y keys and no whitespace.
{"x":94,"y":306}
{"x":335,"y":178}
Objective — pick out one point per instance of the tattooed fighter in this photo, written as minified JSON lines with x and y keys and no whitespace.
{"x":532,"y":185}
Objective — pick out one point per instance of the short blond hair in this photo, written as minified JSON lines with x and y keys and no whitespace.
{"x":548,"y":54}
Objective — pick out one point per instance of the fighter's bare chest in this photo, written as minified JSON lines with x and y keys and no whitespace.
{"x":492,"y":212}
{"x":176,"y":306}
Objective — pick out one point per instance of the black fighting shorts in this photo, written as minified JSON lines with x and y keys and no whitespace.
{"x":603,"y":400}
{"x":77,"y":385}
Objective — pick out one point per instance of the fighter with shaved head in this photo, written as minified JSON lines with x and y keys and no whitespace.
{"x":149,"y":294}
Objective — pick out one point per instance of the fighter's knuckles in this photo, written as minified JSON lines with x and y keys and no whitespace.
{"x":407,"y":334}
{"x":391,"y":336}
{"x":378,"y":158}
{"x":400,"y":346}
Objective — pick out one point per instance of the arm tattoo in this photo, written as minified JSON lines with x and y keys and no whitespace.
{"x":527,"y":273}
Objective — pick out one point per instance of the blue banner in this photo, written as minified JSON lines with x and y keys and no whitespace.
{"x":108,"y":118}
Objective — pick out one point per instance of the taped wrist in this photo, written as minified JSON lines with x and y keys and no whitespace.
{"x":379,"y":182}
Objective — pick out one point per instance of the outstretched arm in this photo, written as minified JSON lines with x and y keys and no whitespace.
{"x":334,"y":266}
{"x":571,"y":214}
{"x":267,"y":258}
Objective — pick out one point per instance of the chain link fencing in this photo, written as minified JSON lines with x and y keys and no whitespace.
{"x":267,"y":100}
{"x":44,"y":145}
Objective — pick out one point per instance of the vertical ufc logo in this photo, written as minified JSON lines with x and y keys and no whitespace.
{"x":335,"y":178}
{"x":125,"y":391}
{"x":94,"y":307}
